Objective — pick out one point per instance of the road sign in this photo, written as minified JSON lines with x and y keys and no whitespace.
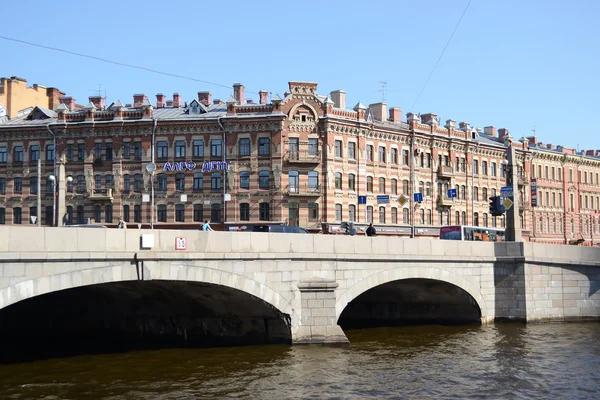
{"x":452,"y":193}
{"x":418,"y":197}
{"x":506,"y":191}
{"x":508,"y":203}
{"x":534,"y":193}
{"x":402,"y":200}
{"x":383,"y":199}
{"x":362,"y":199}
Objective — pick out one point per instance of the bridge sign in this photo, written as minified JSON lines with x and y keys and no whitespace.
{"x":451,"y":193}
{"x":180,"y":243}
{"x":383,"y":199}
{"x":418,"y":197}
{"x":362,"y":199}
{"x":506,"y":191}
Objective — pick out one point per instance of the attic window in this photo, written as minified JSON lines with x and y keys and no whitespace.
{"x":194,"y":109}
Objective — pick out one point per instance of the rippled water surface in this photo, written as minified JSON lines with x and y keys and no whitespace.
{"x":502,"y":361}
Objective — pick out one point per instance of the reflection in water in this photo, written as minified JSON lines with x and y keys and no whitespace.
{"x":497,"y":361}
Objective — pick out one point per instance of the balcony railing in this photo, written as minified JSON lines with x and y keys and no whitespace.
{"x":445,"y":171}
{"x":445,"y":201}
{"x":303,"y":157}
{"x":101,"y":194}
{"x":523,"y":179}
{"x":304,"y":190}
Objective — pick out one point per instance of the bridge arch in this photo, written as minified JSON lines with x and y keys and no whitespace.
{"x":126,"y":272}
{"x":397,"y":274}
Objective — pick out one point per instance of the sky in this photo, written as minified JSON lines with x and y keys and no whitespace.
{"x":522,"y":65}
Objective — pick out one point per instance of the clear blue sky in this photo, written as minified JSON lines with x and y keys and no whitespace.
{"x":513,"y":64}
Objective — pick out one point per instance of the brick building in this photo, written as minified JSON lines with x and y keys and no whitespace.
{"x":305,"y":159}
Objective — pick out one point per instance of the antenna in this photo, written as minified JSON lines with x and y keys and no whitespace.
{"x":383,"y":84}
{"x":99,"y":90}
{"x":533,"y":130}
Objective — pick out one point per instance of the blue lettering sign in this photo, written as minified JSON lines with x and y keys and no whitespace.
{"x":208,"y":166}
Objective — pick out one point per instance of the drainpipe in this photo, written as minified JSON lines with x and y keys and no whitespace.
{"x":224,"y":217}
{"x":55,"y":186}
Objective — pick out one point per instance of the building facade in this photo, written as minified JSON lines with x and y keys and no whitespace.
{"x":304,"y":159}
{"x":16,"y":98}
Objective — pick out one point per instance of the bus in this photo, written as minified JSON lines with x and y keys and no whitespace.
{"x":472,"y":233}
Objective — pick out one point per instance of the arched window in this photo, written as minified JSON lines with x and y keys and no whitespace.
{"x":394,"y":188}
{"x":369,"y":214}
{"x":351,"y":182}
{"x":429,"y":217}
{"x":405,"y":189}
{"x":422,"y":217}
{"x":162,"y":182}
{"x":108,"y":213}
{"x":476,"y":219}
{"x":338,"y":180}
{"x":180,"y":213}
{"x":382,"y":215}
{"x":382,"y":185}
{"x":394,"y":215}
{"x":370,"y":184}
{"x":338,"y":212}
{"x":244,"y":180}
{"x":405,"y":216}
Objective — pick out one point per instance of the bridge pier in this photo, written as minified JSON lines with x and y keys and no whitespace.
{"x":318,"y":321}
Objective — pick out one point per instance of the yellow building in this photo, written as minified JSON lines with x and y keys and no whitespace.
{"x":16,"y":97}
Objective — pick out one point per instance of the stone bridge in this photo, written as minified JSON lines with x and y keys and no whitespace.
{"x":297,"y":288}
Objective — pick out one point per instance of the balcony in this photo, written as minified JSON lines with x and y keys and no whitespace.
{"x":303,"y":190}
{"x":303,"y":157}
{"x":445,"y":171}
{"x":523,"y":179}
{"x":445,"y":201}
{"x":102,"y":195}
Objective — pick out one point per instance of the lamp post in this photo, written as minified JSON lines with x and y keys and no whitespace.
{"x":52,"y":179}
{"x":513,"y":230}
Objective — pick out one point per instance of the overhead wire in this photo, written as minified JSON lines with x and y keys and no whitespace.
{"x":117,"y":62}
{"x":441,"y":55}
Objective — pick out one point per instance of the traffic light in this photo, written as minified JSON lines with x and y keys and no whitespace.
{"x":496,"y":206}
{"x":346,"y":228}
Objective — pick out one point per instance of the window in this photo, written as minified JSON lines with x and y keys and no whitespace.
{"x":313,"y":147}
{"x":18,"y":156}
{"x":457,"y":164}
{"x":179,"y":148}
{"x":338,"y":212}
{"x":351,"y":182}
{"x":109,"y":181}
{"x":2,"y":185}
{"x":3,"y":155}
{"x":463,"y":193}
{"x":50,"y":152}
{"x":161,"y":183}
{"x":137,"y":213}
{"x":244,"y":147}
{"x":394,"y":215}
{"x":126,"y":213}
{"x":351,"y":213}
{"x":382,"y":185}
{"x":180,"y":213}
{"x":198,"y":213}
{"x":428,"y":160}
{"x":33,"y":185}
{"x":369,"y":154}
{"x":405,"y":190}
{"x":180,"y":182}
{"x":108,"y":213}
{"x":109,"y":151}
{"x":313,"y":212}
{"x":421,"y":187}
{"x":484,"y":169}
{"x":81,"y":183}
{"x":137,"y":183}
{"x":98,"y":182}
{"x":553,"y":173}
{"x":70,"y":184}
{"x":161,"y":213}
{"x":215,"y":182}
{"x":394,"y":188}
{"x":80,"y":215}
{"x":560,"y":178}
{"x":137,"y":149}
{"x":475,"y":193}
{"x":81,"y":151}
{"x":428,"y":189}
{"x":381,"y":153}
{"x":484,"y":195}
{"x":17,"y":215}
{"x":382,"y":215}
{"x":405,"y":157}
{"x":18,"y":185}
{"x":34,"y":152}
{"x":126,"y":150}
{"x":422,"y":216}
{"x":570,"y":176}
{"x":338,"y":148}
{"x":98,"y":152}
{"x":215,"y":212}
{"x":338,"y":180}
{"x":198,"y":181}
{"x":394,"y":156}
{"x":405,"y":216}
{"x":244,"y":212}
{"x":162,"y":149}
{"x":216,"y":148}
{"x":264,"y":147}
{"x":369,"y":184}
{"x":546,"y":172}
{"x":475,"y":167}
{"x":429,"y":216}
{"x":313,"y":180}
{"x":476,"y":219}
{"x":457,"y":217}
{"x":493,"y":169}
{"x":264,"y":211}
{"x":244,"y":180}
{"x":126,"y":183}
{"x":264,"y":179}
{"x":352,"y":151}
{"x":97,"y":213}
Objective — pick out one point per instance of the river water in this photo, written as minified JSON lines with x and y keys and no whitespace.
{"x":501,"y":361}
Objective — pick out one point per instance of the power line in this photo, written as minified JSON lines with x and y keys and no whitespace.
{"x":116,"y":62}
{"x":440,"y":57}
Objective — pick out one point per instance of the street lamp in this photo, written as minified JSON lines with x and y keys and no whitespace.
{"x":69,"y":182}
{"x":54,"y":183}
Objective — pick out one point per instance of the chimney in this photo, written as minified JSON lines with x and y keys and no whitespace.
{"x":69,"y":102}
{"x":169,"y":103}
{"x":490,"y":131}
{"x":396,"y":114}
{"x":550,"y":146}
{"x":249,"y":101}
{"x":238,"y":93}
{"x":264,"y":97}
{"x":204,"y":98}
{"x":502,"y":132}
{"x":464,"y":126}
{"x":139,"y":99}
{"x":176,"y":100}
{"x":54,"y":96}
{"x":429,"y":119}
{"x":218,"y":101}
{"x":532,"y":139}
{"x":590,"y":153}
{"x":97,"y":101}
{"x":339,"y":98}
{"x":379,"y":111}
{"x":160,"y":100}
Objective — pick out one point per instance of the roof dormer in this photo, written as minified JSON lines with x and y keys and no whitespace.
{"x":195,"y":107}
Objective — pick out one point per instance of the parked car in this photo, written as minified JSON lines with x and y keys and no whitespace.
{"x":278,"y":229}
